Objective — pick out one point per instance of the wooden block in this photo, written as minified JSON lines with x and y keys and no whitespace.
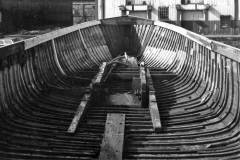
{"x":79,"y":113}
{"x":86,"y":98}
{"x":153,"y":107}
{"x":113,"y":140}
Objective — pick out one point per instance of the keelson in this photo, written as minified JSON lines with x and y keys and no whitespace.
{"x":191,"y":108}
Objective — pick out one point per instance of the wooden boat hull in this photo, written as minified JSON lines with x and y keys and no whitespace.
{"x":196,"y":82}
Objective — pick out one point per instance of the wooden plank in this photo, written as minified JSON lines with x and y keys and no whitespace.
{"x":29,"y":43}
{"x":79,"y":113}
{"x":143,"y":91}
{"x":100,"y":75}
{"x":113,"y":140}
{"x":85,"y":99}
{"x":102,"y":70}
{"x":153,"y":106}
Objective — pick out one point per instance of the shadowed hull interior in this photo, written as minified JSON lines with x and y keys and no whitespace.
{"x":43,"y":80}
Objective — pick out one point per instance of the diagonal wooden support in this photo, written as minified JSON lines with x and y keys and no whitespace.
{"x":85,"y":99}
{"x":113,"y":140}
{"x":79,"y":113}
{"x":153,"y":107}
{"x":143,"y":89}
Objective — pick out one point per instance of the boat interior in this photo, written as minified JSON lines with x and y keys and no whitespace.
{"x":119,"y":88}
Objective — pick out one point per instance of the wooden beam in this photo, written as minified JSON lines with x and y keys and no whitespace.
{"x":143,"y":91}
{"x":153,"y":106}
{"x":129,"y":75}
{"x":29,"y":43}
{"x":100,"y":75}
{"x":113,"y":140}
{"x":85,"y":99}
{"x":79,"y":113}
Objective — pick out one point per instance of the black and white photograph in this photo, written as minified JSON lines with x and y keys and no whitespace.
{"x":119,"y":80}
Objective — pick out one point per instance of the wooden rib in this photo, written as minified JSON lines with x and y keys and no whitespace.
{"x":29,"y":43}
{"x":153,"y":106}
{"x":56,"y":57}
{"x":113,"y":141}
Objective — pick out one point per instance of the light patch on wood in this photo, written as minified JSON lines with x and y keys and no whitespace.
{"x":113,"y":140}
{"x":81,"y":108}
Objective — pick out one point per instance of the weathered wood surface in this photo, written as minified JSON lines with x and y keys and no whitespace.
{"x":101,"y":73}
{"x":29,"y":43}
{"x":153,"y":106}
{"x":86,"y":98}
{"x":143,"y":91}
{"x":113,"y":140}
{"x":199,"y":108}
{"x":226,"y":50}
{"x":79,"y":113}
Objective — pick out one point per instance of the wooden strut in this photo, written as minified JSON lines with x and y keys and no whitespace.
{"x":86,"y":98}
{"x":143,"y":89}
{"x":153,"y":106}
{"x":113,"y":140}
